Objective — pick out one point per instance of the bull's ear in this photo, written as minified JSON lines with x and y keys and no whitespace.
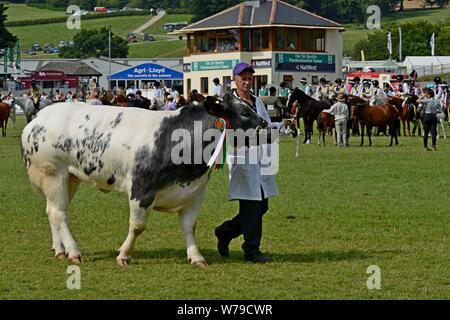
{"x":214,"y":106}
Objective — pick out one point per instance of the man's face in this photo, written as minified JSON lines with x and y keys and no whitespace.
{"x":244,"y":81}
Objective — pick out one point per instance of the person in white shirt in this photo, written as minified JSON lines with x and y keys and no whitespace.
{"x":340,"y":112}
{"x":217,"y":88}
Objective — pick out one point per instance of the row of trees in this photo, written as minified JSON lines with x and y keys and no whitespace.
{"x":415,"y":41}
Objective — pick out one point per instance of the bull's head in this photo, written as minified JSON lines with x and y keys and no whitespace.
{"x":236,"y":111}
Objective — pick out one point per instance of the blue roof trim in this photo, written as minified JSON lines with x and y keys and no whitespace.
{"x":148,"y":71}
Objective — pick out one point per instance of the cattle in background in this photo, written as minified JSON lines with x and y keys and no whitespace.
{"x":125,"y":150}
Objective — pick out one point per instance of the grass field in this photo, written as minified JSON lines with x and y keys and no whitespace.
{"x":158,"y":49}
{"x":18,"y":12}
{"x":339,"y":212}
{"x":53,"y":33}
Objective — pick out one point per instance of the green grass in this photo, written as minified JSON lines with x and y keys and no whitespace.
{"x":158,"y":27}
{"x":53,"y":33}
{"x":18,"y":12}
{"x":158,"y":49}
{"x":354,"y":32}
{"x":339,"y":211}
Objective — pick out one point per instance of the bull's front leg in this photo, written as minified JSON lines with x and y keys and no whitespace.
{"x":138,"y":223}
{"x":188,"y":218}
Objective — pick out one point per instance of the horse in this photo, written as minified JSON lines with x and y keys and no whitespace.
{"x":411,"y":100}
{"x":120,"y":101}
{"x":406,"y":115}
{"x":106,"y":97}
{"x":4,"y":115}
{"x":369,"y":117}
{"x":195,"y":98}
{"x":325,"y":121}
{"x":9,"y":100}
{"x":27,"y":106}
{"x":309,"y":109}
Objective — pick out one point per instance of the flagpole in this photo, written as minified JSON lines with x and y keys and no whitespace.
{"x":400,"y":44}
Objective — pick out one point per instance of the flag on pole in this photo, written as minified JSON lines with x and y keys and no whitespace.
{"x":389,"y":44}
{"x":18,"y":62}
{"x":5,"y":61}
{"x":363,"y":57}
{"x":432,"y":43}
{"x":400,"y":44}
{"x":11,"y":56}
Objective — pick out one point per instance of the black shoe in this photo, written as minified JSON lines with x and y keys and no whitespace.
{"x":258,"y":257}
{"x":222,"y":244}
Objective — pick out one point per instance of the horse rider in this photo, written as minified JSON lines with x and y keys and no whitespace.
{"x":284,"y":90}
{"x":323,"y":90}
{"x":35,"y":95}
{"x":305,"y":87}
{"x":413,"y":90}
{"x":437,"y":88}
{"x":339,"y":87}
{"x":366,"y":91}
{"x":357,"y":88}
{"x":263,"y":91}
{"x":376,"y":91}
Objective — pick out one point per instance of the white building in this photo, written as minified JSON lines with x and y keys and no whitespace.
{"x":282,"y":42}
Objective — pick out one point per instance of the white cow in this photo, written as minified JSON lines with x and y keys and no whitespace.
{"x":125,"y":150}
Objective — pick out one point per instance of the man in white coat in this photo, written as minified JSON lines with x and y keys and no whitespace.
{"x":248,"y":182}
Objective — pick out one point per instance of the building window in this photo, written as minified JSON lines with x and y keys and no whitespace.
{"x":201,"y":42}
{"x":319,"y":40}
{"x":260,"y":39}
{"x":246,"y":40}
{"x":313,"y":40}
{"x":227,"y":40}
{"x":188,"y":85}
{"x":286,"y":39}
{"x":189,"y":45}
{"x":280,"y":39}
{"x":204,"y":85}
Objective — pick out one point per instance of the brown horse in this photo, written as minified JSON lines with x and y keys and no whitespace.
{"x":120,"y":101}
{"x":369,"y":117}
{"x":4,"y":115}
{"x":405,"y":114}
{"x":325,"y":121}
{"x":106,"y":97}
{"x":195,"y":96}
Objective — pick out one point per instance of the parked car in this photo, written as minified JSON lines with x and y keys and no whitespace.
{"x":62,"y":43}
{"x":148,"y":37}
{"x":131,"y":38}
{"x":55,"y":50}
{"x":36,"y":47}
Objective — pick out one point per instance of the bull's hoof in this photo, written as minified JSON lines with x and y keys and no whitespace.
{"x":200,"y":264}
{"x":75,"y":259}
{"x":123,"y":261}
{"x":60,"y":256}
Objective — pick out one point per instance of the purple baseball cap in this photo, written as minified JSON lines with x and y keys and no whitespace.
{"x":241,"y":67}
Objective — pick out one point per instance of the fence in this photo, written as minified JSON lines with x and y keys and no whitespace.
{"x":428,"y":70}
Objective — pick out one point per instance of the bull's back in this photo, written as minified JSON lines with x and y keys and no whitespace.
{"x":95,"y":143}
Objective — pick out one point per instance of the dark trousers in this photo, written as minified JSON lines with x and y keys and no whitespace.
{"x":429,"y":125}
{"x":247,"y":222}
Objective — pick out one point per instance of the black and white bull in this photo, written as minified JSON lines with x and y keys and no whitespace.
{"x":128,"y":151}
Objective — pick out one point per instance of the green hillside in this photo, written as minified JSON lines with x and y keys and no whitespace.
{"x":53,"y":33}
{"x":18,"y":12}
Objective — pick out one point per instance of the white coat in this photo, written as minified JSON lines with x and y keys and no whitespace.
{"x":246,"y":180}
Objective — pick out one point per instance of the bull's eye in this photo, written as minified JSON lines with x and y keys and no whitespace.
{"x":246,"y":114}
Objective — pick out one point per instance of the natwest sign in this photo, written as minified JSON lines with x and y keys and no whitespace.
{"x":48,"y":75}
{"x":262,"y":63}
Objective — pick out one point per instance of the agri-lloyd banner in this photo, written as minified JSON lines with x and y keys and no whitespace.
{"x":305,"y":62}
{"x":147,"y":71}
